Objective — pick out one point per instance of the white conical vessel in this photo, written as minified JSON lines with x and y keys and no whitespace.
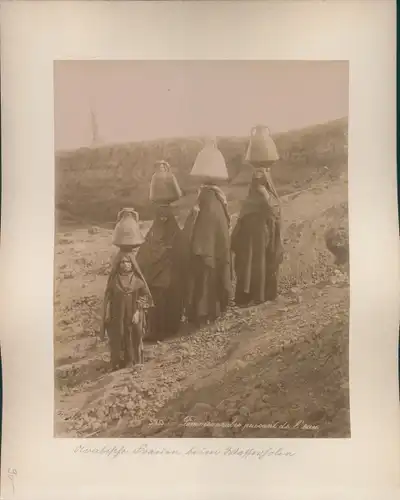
{"x":210,"y":163}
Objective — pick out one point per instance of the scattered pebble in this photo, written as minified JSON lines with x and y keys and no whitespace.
{"x":176,"y":364}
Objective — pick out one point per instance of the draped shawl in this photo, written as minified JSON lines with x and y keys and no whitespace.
{"x":256,"y":239}
{"x":158,"y":257}
{"x":207,"y":227}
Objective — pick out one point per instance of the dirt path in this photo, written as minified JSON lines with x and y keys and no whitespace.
{"x":252,"y":360}
{"x":275,"y":363}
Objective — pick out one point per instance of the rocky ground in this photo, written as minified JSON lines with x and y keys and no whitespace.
{"x":275,"y":370}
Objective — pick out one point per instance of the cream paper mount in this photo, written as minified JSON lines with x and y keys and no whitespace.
{"x":47,"y":316}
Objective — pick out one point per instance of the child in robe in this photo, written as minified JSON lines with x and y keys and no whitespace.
{"x":126,"y":296}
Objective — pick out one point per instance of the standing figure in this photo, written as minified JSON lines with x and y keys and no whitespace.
{"x":256,"y":238}
{"x":206,"y":233}
{"x":160,"y":261}
{"x":126,"y":295}
{"x":159,"y":257}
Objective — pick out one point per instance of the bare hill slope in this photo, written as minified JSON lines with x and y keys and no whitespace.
{"x":93,"y":184}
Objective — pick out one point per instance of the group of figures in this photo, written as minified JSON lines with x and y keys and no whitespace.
{"x":174,"y":275}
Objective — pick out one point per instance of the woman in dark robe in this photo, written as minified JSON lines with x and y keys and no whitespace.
{"x":159,"y":259}
{"x":126,"y":295}
{"x":207,"y":266}
{"x":256,"y":243}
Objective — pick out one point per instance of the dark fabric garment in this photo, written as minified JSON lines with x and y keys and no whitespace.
{"x":266,"y":174}
{"x":210,"y":239}
{"x":164,"y":319}
{"x":115,"y":266}
{"x":207,"y":263}
{"x":123,"y":293}
{"x":257,"y":246}
{"x":159,"y":259}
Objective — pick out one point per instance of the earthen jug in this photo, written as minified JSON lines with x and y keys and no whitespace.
{"x":127,"y":231}
{"x":164,"y":187}
{"x":261,"y":147}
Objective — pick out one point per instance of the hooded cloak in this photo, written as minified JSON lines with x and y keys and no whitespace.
{"x":159,"y":259}
{"x":256,"y":243}
{"x":207,"y":263}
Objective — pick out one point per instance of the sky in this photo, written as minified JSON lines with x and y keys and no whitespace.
{"x":145,"y":100}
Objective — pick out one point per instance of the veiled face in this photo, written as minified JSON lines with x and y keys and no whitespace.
{"x":125,"y":266}
{"x":263,"y":165}
{"x":163,"y":213}
{"x":162,"y":167}
{"x":259,"y":173}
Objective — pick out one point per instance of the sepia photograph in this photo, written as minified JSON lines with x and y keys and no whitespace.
{"x":201,"y":255}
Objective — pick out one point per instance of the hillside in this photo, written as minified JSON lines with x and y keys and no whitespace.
{"x":275,"y":364}
{"x":93,"y":184}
